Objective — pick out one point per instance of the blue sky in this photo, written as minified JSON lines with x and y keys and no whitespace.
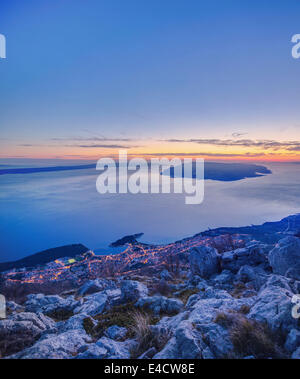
{"x":83,"y":77}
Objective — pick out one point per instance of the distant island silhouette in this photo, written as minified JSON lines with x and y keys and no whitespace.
{"x":212,"y":170}
{"x":127,"y":239}
{"x":33,"y":170}
{"x":226,"y":172}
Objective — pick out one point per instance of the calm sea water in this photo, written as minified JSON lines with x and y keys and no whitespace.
{"x":44,"y":210}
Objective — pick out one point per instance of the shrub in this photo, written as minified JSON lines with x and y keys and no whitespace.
{"x":141,"y":331}
{"x":238,"y":290}
{"x":245,"y":309}
{"x":223,"y":319}
{"x":250,"y":337}
{"x":88,"y":325}
{"x":60,"y":314}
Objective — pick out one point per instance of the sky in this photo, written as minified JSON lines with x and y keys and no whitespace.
{"x":85,"y":78}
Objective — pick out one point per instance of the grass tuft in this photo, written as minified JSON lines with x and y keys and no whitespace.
{"x":145,"y":336}
{"x":250,"y":337}
{"x":121,"y":315}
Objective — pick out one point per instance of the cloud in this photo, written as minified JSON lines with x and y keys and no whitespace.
{"x":264,"y":144}
{"x":220,"y":155}
{"x":237,"y":135}
{"x":35,"y":145}
{"x":94,"y":139}
{"x":102,"y":146}
{"x":294,"y":148}
{"x":84,"y":146}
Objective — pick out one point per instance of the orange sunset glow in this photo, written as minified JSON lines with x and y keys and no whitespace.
{"x":282,"y":152}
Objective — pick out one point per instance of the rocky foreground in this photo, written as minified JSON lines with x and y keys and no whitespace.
{"x":219,"y":294}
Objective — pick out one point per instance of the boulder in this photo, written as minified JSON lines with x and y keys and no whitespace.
{"x":285,"y":257}
{"x":168,"y":324}
{"x":166,"y":275}
{"x":160,"y":305}
{"x":113,"y":296}
{"x":296,"y":354}
{"x":132,"y":290}
{"x":22,"y":330}
{"x":203,"y":314}
{"x":197,"y":326}
{"x":226,"y":277}
{"x":278,"y":281}
{"x":37,"y":319}
{"x":204,"y":311}
{"x":218,"y":340}
{"x":185,"y":344}
{"x":148,"y":354}
{"x":14,"y":307}
{"x":215,"y":293}
{"x":97,"y":285}
{"x":92,"y":352}
{"x":116,"y":332}
{"x":49,"y":303}
{"x":92,"y":304}
{"x":253,"y":275}
{"x":252,"y":255}
{"x":196,"y":282}
{"x":204,"y":261}
{"x":292,"y":341}
{"x":170,"y":351}
{"x":74,"y":323}
{"x":192,"y":300}
{"x":274,"y":305}
{"x":207,"y":353}
{"x":61,"y":346}
{"x":16,"y":336}
{"x":116,"y":350}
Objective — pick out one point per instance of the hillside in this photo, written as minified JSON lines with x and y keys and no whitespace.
{"x":45,"y":257}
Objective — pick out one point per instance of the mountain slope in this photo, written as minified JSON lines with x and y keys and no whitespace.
{"x":45,"y":256}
